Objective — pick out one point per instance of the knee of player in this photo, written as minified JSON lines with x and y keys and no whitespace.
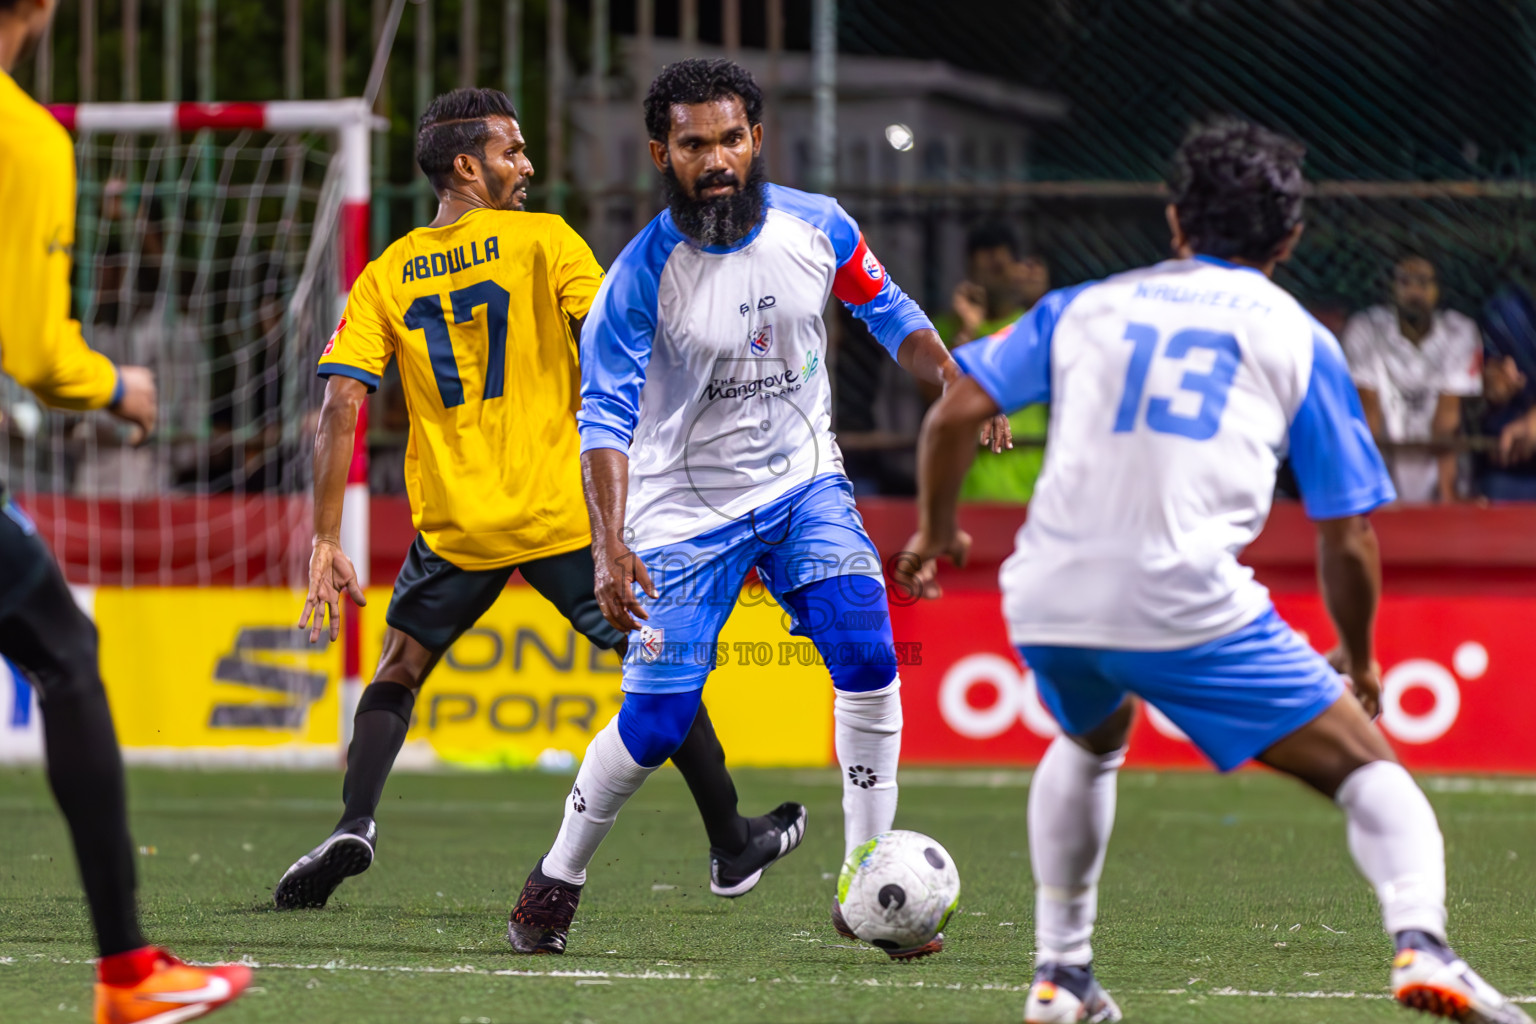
{"x":74,"y":670}
{"x":654,"y":725}
{"x":864,"y":674}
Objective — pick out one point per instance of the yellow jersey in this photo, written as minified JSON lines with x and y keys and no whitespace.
{"x":40,"y":346}
{"x":475,"y":315}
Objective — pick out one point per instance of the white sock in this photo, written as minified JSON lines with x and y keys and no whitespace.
{"x":867,"y":735}
{"x":1397,"y":845}
{"x":1071,"y":813}
{"x":608,"y":777}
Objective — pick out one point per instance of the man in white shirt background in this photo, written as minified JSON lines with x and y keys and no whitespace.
{"x":1413,"y":363}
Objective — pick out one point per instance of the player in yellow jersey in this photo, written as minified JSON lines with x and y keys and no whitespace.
{"x":480,"y":311}
{"x":41,"y":630}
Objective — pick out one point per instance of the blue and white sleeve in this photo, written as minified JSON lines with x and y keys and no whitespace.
{"x":866,"y":288}
{"x":1338,"y":468}
{"x":1013,"y":366}
{"x":615,"y":351}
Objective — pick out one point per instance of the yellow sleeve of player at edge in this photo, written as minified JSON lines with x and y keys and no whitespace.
{"x":577,"y":272}
{"x":40,"y":345}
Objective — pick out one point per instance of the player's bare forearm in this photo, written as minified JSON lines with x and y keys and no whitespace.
{"x":1349,"y":573}
{"x":344,"y":398}
{"x":1370,"y":404}
{"x":923,"y":355}
{"x":1447,"y":424}
{"x":945,"y":448}
{"x":605,"y":481}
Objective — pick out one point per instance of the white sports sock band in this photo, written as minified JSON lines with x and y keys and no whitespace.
{"x":866,"y":728}
{"x":1071,"y":815}
{"x":1397,"y":845}
{"x":608,"y":777}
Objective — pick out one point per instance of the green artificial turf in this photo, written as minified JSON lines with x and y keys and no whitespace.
{"x":1222,"y":899}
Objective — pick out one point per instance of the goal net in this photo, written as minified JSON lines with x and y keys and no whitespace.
{"x":214,"y":245}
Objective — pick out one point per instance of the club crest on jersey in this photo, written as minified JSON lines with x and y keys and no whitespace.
{"x":761,"y":339}
{"x":336,"y":334}
{"x":651,"y":641}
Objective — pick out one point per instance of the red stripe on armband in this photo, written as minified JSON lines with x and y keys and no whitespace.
{"x":860,"y":278}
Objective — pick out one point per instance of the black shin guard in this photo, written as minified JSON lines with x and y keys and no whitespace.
{"x":701,"y":760}
{"x":378,"y":731}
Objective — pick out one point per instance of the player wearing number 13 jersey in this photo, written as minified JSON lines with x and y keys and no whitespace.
{"x":1175,"y":391}
{"x":479,"y":310}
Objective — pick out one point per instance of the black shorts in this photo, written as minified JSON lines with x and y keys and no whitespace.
{"x":42,"y":631}
{"x":435,"y":601}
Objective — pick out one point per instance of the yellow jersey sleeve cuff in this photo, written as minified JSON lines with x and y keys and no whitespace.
{"x":356,"y":373}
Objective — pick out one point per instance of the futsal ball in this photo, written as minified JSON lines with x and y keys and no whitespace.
{"x":898,"y":890}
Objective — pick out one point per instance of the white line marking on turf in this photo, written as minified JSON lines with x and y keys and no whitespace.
{"x":1451,"y":784}
{"x":595,"y":977}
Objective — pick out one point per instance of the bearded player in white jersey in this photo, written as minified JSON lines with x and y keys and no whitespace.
{"x":1175,"y":391}
{"x":707,"y":453}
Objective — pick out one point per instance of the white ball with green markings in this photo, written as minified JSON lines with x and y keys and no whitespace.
{"x":898,"y":890}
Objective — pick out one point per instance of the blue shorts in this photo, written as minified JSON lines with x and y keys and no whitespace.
{"x":1234,"y":697}
{"x":814,"y":533}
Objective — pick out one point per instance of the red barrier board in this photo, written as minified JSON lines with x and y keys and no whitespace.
{"x":1456,"y":694}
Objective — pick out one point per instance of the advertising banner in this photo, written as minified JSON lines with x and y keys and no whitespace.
{"x":220,"y":676}
{"x":524,"y":688}
{"x":217,"y":675}
{"x":21,"y":732}
{"x":1456,"y":696}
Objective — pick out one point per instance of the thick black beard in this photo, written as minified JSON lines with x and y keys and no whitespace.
{"x":722,"y":221}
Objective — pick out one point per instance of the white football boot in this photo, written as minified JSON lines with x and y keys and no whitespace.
{"x":1442,"y":984}
{"x":1068,"y":995}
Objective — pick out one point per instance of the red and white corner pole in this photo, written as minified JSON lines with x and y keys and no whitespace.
{"x":354,"y":251}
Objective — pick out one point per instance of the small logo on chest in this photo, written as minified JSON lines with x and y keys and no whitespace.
{"x":766,"y":302}
{"x":760,"y":339}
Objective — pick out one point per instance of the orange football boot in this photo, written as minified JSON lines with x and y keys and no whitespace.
{"x":172,"y":992}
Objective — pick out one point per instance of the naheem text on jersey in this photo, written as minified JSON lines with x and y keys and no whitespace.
{"x":476,"y":315}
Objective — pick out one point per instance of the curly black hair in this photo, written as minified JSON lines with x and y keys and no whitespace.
{"x":1237,"y":189}
{"x":455,"y":123}
{"x":698,"y":80}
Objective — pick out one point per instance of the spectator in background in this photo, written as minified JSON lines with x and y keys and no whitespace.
{"x":1509,"y":368}
{"x":1000,"y":286}
{"x":1413,"y":363}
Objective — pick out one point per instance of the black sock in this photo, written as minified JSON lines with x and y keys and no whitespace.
{"x":378,"y":731}
{"x":701,"y":760}
{"x":85,"y":770}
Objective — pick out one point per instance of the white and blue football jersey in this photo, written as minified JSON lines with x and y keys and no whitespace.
{"x":1175,"y":391}
{"x":707,"y":365}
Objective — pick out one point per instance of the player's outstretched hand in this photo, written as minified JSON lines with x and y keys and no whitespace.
{"x":916,"y":569}
{"x":997,"y":433}
{"x":330,"y":575}
{"x":617,"y":570}
{"x":137,"y":404}
{"x":1365,"y":683}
